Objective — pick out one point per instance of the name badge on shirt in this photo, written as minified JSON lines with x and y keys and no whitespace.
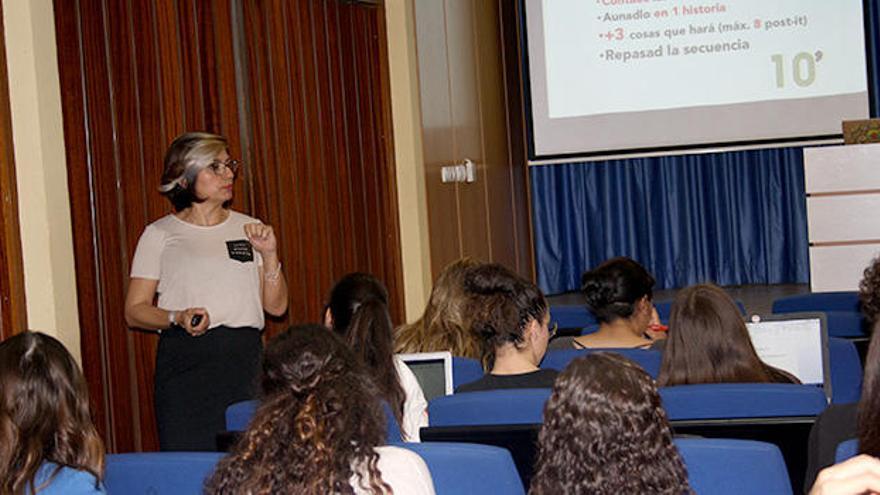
{"x":240,"y":250}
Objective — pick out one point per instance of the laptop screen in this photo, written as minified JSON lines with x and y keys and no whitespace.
{"x":433,"y":370}
{"x":795,"y":345}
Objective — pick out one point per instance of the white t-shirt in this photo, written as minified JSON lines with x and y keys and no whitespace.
{"x":403,"y":470}
{"x":415,"y":407}
{"x":214,"y":267}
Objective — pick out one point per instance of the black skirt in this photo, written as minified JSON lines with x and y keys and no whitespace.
{"x":197,"y":378}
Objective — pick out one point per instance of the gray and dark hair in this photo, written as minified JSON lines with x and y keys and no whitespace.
{"x":187,"y":155}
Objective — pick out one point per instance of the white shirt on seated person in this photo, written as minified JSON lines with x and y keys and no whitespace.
{"x":403,"y":470}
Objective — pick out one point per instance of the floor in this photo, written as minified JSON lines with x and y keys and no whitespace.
{"x":758,"y":299}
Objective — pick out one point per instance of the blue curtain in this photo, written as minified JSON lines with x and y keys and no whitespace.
{"x":732,"y":218}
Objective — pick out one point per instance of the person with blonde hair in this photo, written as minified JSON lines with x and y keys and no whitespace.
{"x":445,"y":324}
{"x":48,"y":443}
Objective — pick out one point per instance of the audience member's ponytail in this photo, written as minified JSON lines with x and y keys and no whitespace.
{"x":359,"y":310}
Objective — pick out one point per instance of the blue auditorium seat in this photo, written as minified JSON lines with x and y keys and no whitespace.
{"x":571,"y":316}
{"x":465,"y":370}
{"x":238,"y":416}
{"x":665,"y":308}
{"x":846,"y":449}
{"x":818,"y":301}
{"x":490,"y":407}
{"x":159,"y":473}
{"x":741,"y":400}
{"x":464,"y":468}
{"x":846,"y":371}
{"x":648,"y":359}
{"x":847,"y":324}
{"x":734,"y":467}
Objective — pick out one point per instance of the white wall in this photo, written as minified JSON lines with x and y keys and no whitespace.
{"x":41,"y":170}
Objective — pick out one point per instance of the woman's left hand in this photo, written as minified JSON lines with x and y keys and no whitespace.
{"x":262,"y":238}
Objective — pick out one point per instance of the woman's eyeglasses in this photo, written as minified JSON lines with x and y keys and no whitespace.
{"x":553,"y":328}
{"x":219,"y":168}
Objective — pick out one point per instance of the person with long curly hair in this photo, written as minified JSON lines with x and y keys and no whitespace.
{"x":619,"y":293}
{"x":605,"y":432}
{"x":445,"y":323}
{"x":358,"y":311}
{"x":869,"y":404}
{"x":48,"y":443}
{"x":841,"y":422}
{"x":708,"y":343}
{"x":511,"y":318}
{"x":319,"y":427}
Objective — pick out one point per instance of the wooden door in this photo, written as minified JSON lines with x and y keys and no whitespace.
{"x":464,"y":116}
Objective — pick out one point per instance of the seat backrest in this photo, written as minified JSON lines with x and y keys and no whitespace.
{"x":846,"y":371}
{"x":846,"y":324}
{"x":464,"y":468}
{"x":846,"y":449}
{"x":665,"y":308}
{"x":818,"y":301}
{"x":648,"y":359}
{"x":490,"y":407}
{"x":465,"y":370}
{"x":721,"y":466}
{"x":239,"y":415}
{"x":571,"y":316}
{"x":159,"y":472}
{"x":741,"y":400}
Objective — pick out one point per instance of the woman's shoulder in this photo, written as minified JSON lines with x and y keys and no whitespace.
{"x":237,"y":217}
{"x":163,"y":223}
{"x":66,"y":480}
{"x":404,"y":470}
{"x":403,"y":372}
{"x":561,"y":343}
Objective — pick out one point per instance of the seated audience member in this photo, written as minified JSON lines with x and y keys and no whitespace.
{"x":708,"y":343}
{"x":48,"y":444}
{"x":857,"y":476}
{"x":605,"y":432}
{"x":318,"y":428}
{"x":510,"y":316}
{"x":358,"y":311}
{"x":619,"y":294}
{"x":445,"y":325}
{"x":840,"y":422}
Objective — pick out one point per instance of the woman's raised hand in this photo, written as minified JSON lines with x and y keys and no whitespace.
{"x":262,"y":238}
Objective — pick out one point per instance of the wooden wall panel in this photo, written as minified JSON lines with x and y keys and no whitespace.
{"x":464,"y":116}
{"x":298,"y":87}
{"x":13,"y":311}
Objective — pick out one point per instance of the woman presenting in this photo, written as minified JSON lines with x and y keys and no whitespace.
{"x":215,"y":271}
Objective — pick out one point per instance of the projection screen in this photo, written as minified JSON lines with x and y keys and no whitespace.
{"x":630,"y":76}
